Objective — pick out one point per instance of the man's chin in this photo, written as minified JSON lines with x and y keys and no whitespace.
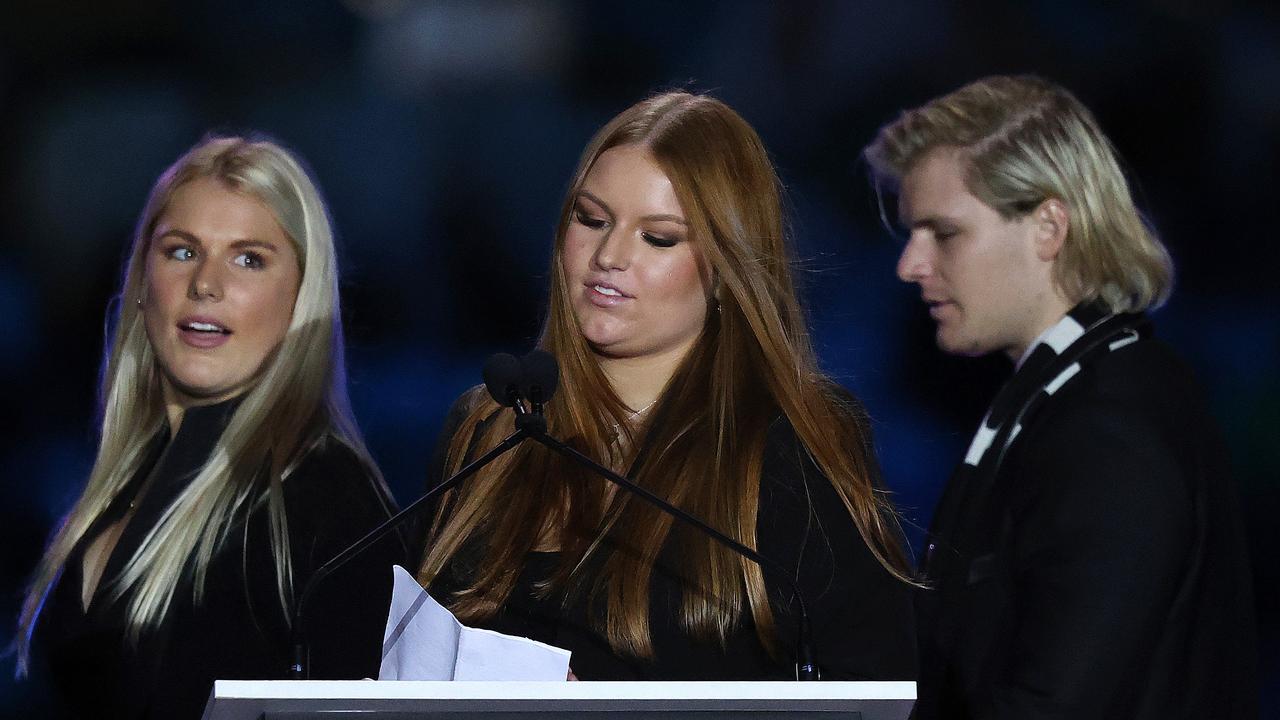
{"x":960,"y":346}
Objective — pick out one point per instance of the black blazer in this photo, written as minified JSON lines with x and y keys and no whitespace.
{"x":239,"y":630}
{"x":863,"y":627}
{"x":1100,"y":571}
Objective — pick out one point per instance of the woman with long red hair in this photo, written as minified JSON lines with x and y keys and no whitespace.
{"x":686,"y":365}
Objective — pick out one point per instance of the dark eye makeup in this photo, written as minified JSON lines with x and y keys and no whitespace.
{"x":659,"y":241}
{"x":588,"y":220}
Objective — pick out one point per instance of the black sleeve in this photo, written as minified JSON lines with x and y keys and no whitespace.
{"x":863,"y":626}
{"x":332,"y":500}
{"x":1098,"y":552}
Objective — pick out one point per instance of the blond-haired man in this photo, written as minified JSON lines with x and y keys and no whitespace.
{"x":1086,"y":559}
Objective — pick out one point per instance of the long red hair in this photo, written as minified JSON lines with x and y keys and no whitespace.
{"x":705,"y":444}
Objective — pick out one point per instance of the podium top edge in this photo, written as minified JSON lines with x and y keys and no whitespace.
{"x":587,"y":690}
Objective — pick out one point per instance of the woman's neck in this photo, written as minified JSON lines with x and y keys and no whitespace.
{"x":638,"y":381}
{"x":176,"y":404}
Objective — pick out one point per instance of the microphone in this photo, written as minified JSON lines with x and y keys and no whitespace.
{"x":502,"y":376}
{"x":528,"y":384}
{"x":541,"y":375}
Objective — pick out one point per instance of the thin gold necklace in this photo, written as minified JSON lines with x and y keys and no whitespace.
{"x":617,"y":427}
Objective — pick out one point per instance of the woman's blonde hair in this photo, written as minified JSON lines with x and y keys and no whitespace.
{"x":1027,"y":140}
{"x":704,"y":446}
{"x":298,"y":400}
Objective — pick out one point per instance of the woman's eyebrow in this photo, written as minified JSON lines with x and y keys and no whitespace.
{"x":603,"y":205}
{"x":182,"y":234}
{"x":666,"y":218}
{"x":251,"y":243}
{"x":235,"y":244}
{"x":659,"y":217}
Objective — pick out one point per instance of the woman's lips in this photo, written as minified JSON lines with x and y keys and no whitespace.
{"x":202,"y":333}
{"x":203,"y":340}
{"x":605,"y":296}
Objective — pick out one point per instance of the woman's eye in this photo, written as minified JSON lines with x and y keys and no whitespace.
{"x":180,"y":252}
{"x":943,"y":235}
{"x":659,"y":241}
{"x":249,"y":260}
{"x":586,"y":220}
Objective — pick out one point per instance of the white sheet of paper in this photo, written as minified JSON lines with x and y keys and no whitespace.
{"x":424,"y":641}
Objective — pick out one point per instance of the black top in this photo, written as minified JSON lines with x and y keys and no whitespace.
{"x":1100,"y":570}
{"x":239,"y":631}
{"x":862,"y":620}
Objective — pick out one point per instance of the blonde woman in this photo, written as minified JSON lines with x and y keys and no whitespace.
{"x":229,"y":465}
{"x":687,"y":366}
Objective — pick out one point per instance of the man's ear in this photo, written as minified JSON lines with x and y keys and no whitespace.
{"x":1051,"y":224}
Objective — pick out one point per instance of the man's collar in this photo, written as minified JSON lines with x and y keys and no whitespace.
{"x":1061,"y":334}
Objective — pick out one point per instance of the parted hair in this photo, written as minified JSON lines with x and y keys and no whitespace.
{"x":1027,"y":140}
{"x":298,"y":400}
{"x":704,"y":444}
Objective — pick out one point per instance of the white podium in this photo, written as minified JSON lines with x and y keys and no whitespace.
{"x":405,"y":700}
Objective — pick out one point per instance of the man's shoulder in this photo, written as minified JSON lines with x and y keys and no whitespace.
{"x":1145,"y":386}
{"x":1137,"y":407}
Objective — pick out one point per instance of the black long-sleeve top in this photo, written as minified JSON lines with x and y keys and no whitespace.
{"x":863,"y":626}
{"x":239,"y":630}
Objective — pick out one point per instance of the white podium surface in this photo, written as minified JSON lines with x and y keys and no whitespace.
{"x":402,"y":700}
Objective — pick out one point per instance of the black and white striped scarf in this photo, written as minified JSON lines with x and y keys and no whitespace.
{"x":1088,"y":331}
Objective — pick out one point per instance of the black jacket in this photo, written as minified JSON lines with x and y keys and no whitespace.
{"x":1100,"y":571}
{"x":862,"y":622}
{"x":239,"y":630}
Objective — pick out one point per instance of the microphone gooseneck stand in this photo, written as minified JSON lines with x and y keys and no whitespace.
{"x":539,"y":378}
{"x":512,"y":383}
{"x":806,"y":668}
{"x":503,"y":375}
{"x":300,"y":666}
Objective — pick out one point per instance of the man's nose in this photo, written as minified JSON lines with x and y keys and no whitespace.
{"x":916,"y":261}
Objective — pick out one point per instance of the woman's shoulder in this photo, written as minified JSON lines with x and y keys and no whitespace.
{"x":789,"y":475}
{"x":787,"y":461}
{"x":331,"y":476}
{"x":329,"y":460}
{"x":462,"y":407}
{"x":795,"y":491}
{"x":804,"y":518}
{"x":796,"y":497}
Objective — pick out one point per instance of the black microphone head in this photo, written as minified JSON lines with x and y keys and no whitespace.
{"x":502,"y":374}
{"x":540,"y":376}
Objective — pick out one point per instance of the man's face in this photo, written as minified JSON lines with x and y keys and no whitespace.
{"x":986,"y":281}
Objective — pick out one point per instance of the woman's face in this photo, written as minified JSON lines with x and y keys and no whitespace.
{"x":638,"y":286}
{"x":221,"y":279}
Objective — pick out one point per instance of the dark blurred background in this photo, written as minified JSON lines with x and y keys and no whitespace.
{"x":444,"y":133}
